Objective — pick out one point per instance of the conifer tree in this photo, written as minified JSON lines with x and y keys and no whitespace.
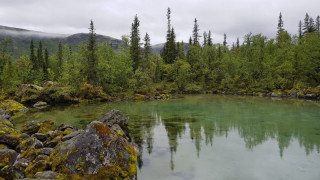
{"x":32,"y":56}
{"x":318,"y":23}
{"x":238,"y":42}
{"x":147,"y":46}
{"x":59,"y":67}
{"x":225,"y":39}
{"x":40,"y":56}
{"x":300,"y":29}
{"x":190,"y":41}
{"x":46,"y":65}
{"x":135,"y":49}
{"x":209,"y":39}
{"x":280,"y":24}
{"x":306,"y":24}
{"x":92,"y":61}
{"x":205,"y":39}
{"x":195,"y":33}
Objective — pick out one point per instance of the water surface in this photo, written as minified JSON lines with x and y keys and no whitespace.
{"x":213,"y":137}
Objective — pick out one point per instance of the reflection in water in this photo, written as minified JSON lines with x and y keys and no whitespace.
{"x":202,"y":119}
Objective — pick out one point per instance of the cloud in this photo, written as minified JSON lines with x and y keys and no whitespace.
{"x":114,"y":17}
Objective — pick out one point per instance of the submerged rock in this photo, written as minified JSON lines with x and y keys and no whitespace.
{"x":40,"y":105}
{"x":115,"y":117}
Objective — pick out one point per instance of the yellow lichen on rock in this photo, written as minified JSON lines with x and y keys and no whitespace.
{"x":11,"y":105}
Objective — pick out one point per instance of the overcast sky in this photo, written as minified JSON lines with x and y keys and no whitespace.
{"x":114,"y":17}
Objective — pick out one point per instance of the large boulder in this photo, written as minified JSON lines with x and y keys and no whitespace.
{"x":28,"y":93}
{"x":9,"y":136}
{"x":10,"y":107}
{"x":115,"y":117}
{"x":97,"y":152}
{"x":7,"y":158}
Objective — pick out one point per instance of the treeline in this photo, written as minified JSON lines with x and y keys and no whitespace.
{"x":259,"y":64}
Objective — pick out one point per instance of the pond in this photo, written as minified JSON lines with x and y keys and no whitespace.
{"x":213,"y":136}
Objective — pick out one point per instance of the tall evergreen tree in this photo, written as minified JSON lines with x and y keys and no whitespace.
{"x":40,"y":56}
{"x":147,"y":46}
{"x":46,"y":65}
{"x":209,"y":39}
{"x":135,"y":49}
{"x":33,"y":59}
{"x":168,"y":24}
{"x":312,"y":26}
{"x":92,"y":61}
{"x":306,"y":24}
{"x":225,"y":39}
{"x":205,"y":39}
{"x":280,"y":24}
{"x":238,"y":42}
{"x":190,"y":41}
{"x":318,"y":23}
{"x":195,"y":33}
{"x":300,"y":29}
{"x":59,"y":67}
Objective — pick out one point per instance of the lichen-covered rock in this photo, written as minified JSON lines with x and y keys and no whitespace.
{"x":7,"y":157}
{"x":46,"y":126}
{"x":46,"y":151}
{"x":40,"y":136}
{"x":31,"y":127}
{"x":4,"y":114}
{"x":30,"y":143}
{"x":12,"y":106}
{"x":40,"y":105}
{"x":47,"y":175}
{"x":115,"y":117}
{"x":93,"y":151}
{"x":24,"y":88}
{"x":50,"y":84}
{"x":9,"y":136}
{"x":71,"y":135}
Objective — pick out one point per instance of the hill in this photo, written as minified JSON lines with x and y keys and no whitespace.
{"x":19,"y":40}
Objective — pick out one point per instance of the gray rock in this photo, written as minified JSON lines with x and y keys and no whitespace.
{"x":46,"y":151}
{"x":63,"y":127}
{"x":71,"y":135}
{"x":31,"y":127}
{"x":40,"y":105}
{"x":40,"y":136}
{"x":115,"y":117}
{"x":94,"y":148}
{"x":30,"y":143}
{"x":47,"y":175}
{"x":11,"y":141}
{"x":4,"y":114}
{"x":24,"y":136}
{"x":24,"y":88}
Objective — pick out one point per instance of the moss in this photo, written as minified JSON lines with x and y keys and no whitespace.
{"x":133,"y":158}
{"x":58,"y":159}
{"x":11,"y":105}
{"x":68,"y":131}
{"x":9,"y":131}
{"x":30,"y":154}
{"x":80,"y":164}
{"x":102,"y":129}
{"x":35,"y":168}
{"x":120,"y":132}
{"x":139,"y":97}
{"x":3,"y":161}
{"x":2,"y":146}
{"x":7,"y":123}
{"x":46,"y":126}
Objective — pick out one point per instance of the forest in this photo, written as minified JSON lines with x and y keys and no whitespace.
{"x":259,"y":64}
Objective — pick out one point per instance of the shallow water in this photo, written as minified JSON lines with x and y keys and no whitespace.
{"x":212,"y":136}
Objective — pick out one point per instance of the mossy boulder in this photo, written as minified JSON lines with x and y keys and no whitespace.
{"x":12,"y":106}
{"x":93,"y":151}
{"x":116,"y":117}
{"x":7,"y":158}
{"x":28,"y":93}
{"x":89,"y":91}
{"x":46,"y":126}
{"x":31,"y":127}
{"x":9,"y":136}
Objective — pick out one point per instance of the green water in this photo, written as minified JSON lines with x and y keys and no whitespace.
{"x":214,"y":137}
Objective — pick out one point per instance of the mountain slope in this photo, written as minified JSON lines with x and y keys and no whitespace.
{"x":19,"y":40}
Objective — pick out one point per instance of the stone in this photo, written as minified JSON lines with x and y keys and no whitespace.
{"x":31,"y":127}
{"x":12,"y":106}
{"x":40,"y":136}
{"x":63,"y":127}
{"x":46,"y":126}
{"x":9,"y":136}
{"x":115,"y":117}
{"x":97,"y":151}
{"x":26,"y":88}
{"x":47,"y":175}
{"x":46,"y":151}
{"x":30,"y":143}
{"x":50,"y":84}
{"x":7,"y":157}
{"x":40,"y":105}
{"x":71,"y":135}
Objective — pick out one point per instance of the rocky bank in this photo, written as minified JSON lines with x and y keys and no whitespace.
{"x":43,"y":150}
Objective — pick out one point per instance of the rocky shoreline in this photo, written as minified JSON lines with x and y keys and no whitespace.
{"x":42,"y":150}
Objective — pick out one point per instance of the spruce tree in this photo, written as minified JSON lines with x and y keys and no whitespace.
{"x":306,"y":24}
{"x":92,"y":61}
{"x":280,"y":24}
{"x":312,"y":26}
{"x":300,"y":29}
{"x":209,"y":39}
{"x":40,"y":56}
{"x":169,"y":24}
{"x":318,"y":23}
{"x":135,"y":49}
{"x":59,"y":67}
{"x":147,"y":46}
{"x":32,"y":56}
{"x":190,"y":41}
{"x":238,"y":42}
{"x":46,"y":65}
{"x":205,"y":39}
{"x":225,"y":39}
{"x":195,"y":33}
